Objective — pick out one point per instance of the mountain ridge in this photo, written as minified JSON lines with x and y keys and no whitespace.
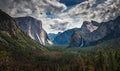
{"x":15,"y":41}
{"x":105,"y":31}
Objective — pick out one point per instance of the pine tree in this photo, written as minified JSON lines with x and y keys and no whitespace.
{"x":101,"y":60}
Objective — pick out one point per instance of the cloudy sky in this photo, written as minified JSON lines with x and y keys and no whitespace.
{"x":60,"y":15}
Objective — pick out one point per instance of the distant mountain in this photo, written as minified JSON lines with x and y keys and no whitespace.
{"x":52,"y":36}
{"x":105,"y":31}
{"x":34,"y":29}
{"x":63,"y":38}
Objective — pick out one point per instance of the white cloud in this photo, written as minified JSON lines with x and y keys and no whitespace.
{"x":98,"y":10}
{"x":27,"y":7}
{"x":34,"y":8}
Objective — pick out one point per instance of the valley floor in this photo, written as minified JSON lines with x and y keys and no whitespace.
{"x":102,"y":57}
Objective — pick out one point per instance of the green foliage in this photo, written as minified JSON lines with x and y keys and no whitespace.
{"x":5,"y":61}
{"x":23,"y":54}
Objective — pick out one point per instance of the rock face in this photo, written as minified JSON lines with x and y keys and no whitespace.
{"x":76,"y":39}
{"x":34,"y":29}
{"x":88,"y":27}
{"x":105,"y":31}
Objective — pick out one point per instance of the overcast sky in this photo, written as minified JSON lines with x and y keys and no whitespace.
{"x":57,"y":17}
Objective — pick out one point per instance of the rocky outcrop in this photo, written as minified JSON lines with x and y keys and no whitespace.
{"x":76,"y":39}
{"x":34,"y":29}
{"x":105,"y":31}
{"x":89,"y":26}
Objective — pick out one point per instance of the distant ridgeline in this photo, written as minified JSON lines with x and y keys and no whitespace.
{"x":90,"y":33}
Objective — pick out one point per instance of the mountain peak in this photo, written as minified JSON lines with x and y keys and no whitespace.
{"x":89,"y":26}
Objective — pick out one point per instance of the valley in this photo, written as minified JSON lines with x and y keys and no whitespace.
{"x":59,"y":35}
